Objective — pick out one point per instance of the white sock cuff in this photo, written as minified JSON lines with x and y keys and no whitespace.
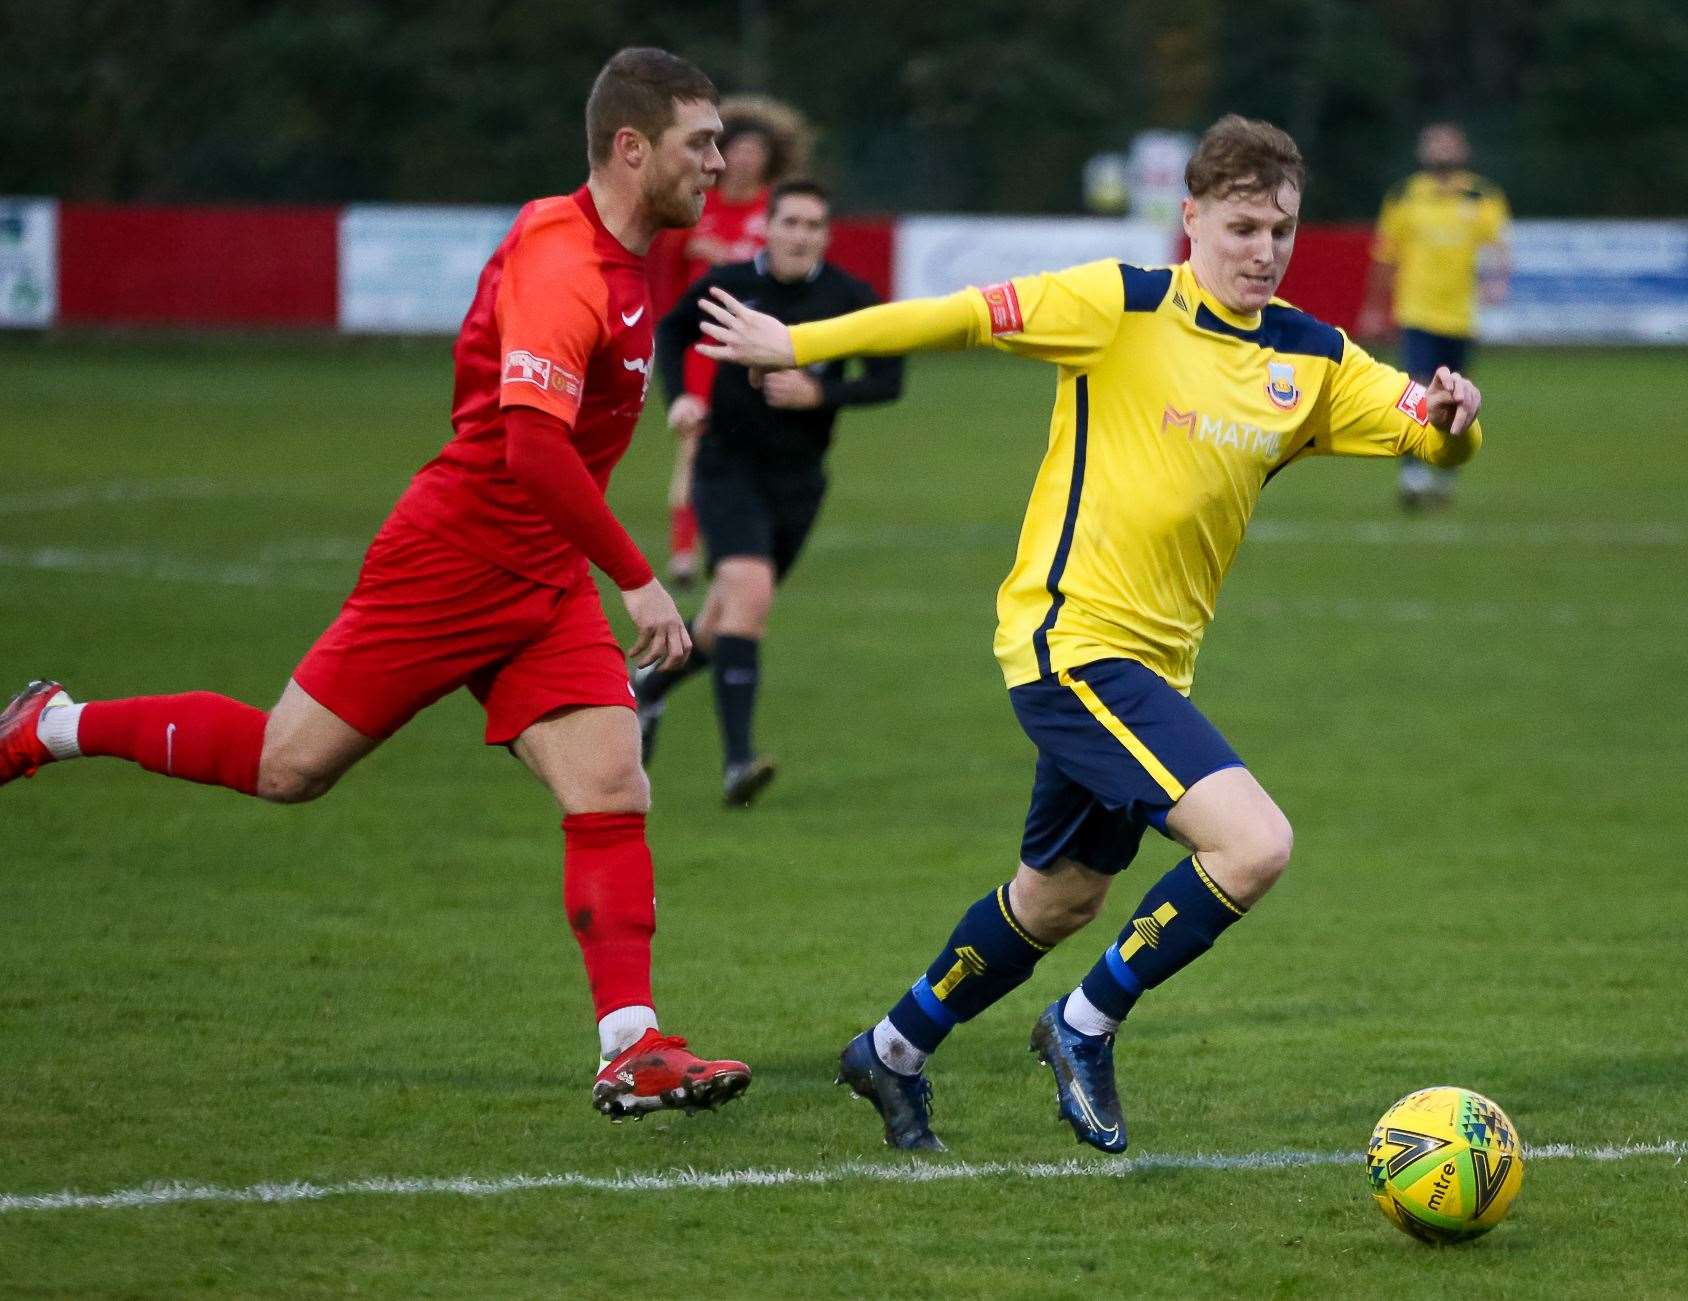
{"x":1085,"y":1017}
{"x":57,"y":725}
{"x":898,"y":1054}
{"x":622,"y":1028}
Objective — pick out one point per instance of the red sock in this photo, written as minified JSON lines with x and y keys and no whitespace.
{"x":682,"y":529}
{"x":609,"y":895}
{"x":199,"y":736}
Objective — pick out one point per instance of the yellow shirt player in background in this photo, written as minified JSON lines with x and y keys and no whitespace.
{"x":1179,"y":393}
{"x":1440,"y":250}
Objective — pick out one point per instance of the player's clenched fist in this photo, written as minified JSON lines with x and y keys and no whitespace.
{"x":663,"y":639}
{"x":1452,"y":401}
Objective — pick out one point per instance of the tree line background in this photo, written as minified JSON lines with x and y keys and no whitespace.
{"x":1575,"y":106}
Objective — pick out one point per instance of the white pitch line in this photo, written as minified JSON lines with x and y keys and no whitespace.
{"x":133,"y":563}
{"x":176,"y":1194}
{"x":121,"y":492}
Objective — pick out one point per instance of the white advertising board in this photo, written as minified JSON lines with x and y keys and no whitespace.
{"x":1594,"y":282}
{"x":412,"y":269}
{"x":29,"y":263}
{"x":940,"y":254}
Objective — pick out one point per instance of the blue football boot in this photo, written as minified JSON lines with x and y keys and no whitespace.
{"x":1084,"y":1079}
{"x":904,"y":1102}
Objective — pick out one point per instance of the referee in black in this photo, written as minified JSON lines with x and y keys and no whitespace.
{"x":760,"y":474}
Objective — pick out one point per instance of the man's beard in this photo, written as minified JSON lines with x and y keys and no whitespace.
{"x":669,"y":207}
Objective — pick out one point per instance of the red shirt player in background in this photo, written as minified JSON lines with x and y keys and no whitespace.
{"x":479,"y":578}
{"x":762,"y":141}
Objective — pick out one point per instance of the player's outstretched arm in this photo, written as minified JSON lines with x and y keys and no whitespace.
{"x":751,"y":338}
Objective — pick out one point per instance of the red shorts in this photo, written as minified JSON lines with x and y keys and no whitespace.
{"x":425,"y":619}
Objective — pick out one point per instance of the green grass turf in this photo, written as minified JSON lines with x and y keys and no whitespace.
{"x":1476,"y":723}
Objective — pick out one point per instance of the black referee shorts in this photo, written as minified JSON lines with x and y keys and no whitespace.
{"x":747,"y":507}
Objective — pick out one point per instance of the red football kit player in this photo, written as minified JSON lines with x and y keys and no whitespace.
{"x":479,"y":577}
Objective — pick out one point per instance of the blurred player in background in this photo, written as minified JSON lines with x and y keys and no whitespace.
{"x":760,"y":474}
{"x":1440,"y":249}
{"x":1180,"y":392}
{"x":763,"y":142}
{"x":479,"y":576}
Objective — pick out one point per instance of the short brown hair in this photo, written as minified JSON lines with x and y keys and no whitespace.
{"x":638,"y":88}
{"x":785,"y":189}
{"x":1244,"y":155}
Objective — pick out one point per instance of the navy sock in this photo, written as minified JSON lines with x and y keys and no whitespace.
{"x":737,"y":674}
{"x":988,"y":954}
{"x":1176,"y":923}
{"x":659,"y":683}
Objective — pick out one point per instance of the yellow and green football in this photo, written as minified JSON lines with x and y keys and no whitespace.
{"x":1445,"y":1164}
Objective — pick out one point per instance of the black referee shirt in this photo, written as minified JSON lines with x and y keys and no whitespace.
{"x":740,"y":422}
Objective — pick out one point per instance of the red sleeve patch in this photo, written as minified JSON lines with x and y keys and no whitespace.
{"x":1005,"y":308}
{"x":1414,"y":403}
{"x":522,"y":367}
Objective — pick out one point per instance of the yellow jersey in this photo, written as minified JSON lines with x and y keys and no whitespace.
{"x":1432,"y":230}
{"x":1171,"y":412}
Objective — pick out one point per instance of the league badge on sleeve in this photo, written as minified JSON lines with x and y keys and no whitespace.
{"x":1004,"y":304}
{"x":1414,"y":402}
{"x":1280,"y":385}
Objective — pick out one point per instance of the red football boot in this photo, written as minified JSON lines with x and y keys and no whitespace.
{"x":21,"y":751}
{"x":658,"y":1072}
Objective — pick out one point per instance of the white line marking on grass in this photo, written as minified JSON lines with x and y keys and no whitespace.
{"x":170,"y":569}
{"x":175,"y":1194}
{"x":121,"y":492}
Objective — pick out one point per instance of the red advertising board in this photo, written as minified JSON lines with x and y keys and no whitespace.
{"x":137,"y":264}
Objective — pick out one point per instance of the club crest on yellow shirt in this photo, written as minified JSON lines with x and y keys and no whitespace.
{"x":1280,"y":385}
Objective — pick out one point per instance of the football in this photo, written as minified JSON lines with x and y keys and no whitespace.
{"x":1445,"y":1164}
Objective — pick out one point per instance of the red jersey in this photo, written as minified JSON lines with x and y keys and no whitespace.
{"x":561,"y":322}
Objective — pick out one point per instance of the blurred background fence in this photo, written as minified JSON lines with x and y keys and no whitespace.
{"x":217,"y":162}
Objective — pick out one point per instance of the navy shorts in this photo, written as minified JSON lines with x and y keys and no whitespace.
{"x":745,"y":508}
{"x":1116,"y":749}
{"x":1422,"y":352}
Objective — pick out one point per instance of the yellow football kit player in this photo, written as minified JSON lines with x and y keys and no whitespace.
{"x":1180,"y":391}
{"x":1432,"y":231}
{"x":1440,"y":245}
{"x":1172,"y":412}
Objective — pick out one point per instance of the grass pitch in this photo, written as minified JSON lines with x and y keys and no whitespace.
{"x":1475,"y":721}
